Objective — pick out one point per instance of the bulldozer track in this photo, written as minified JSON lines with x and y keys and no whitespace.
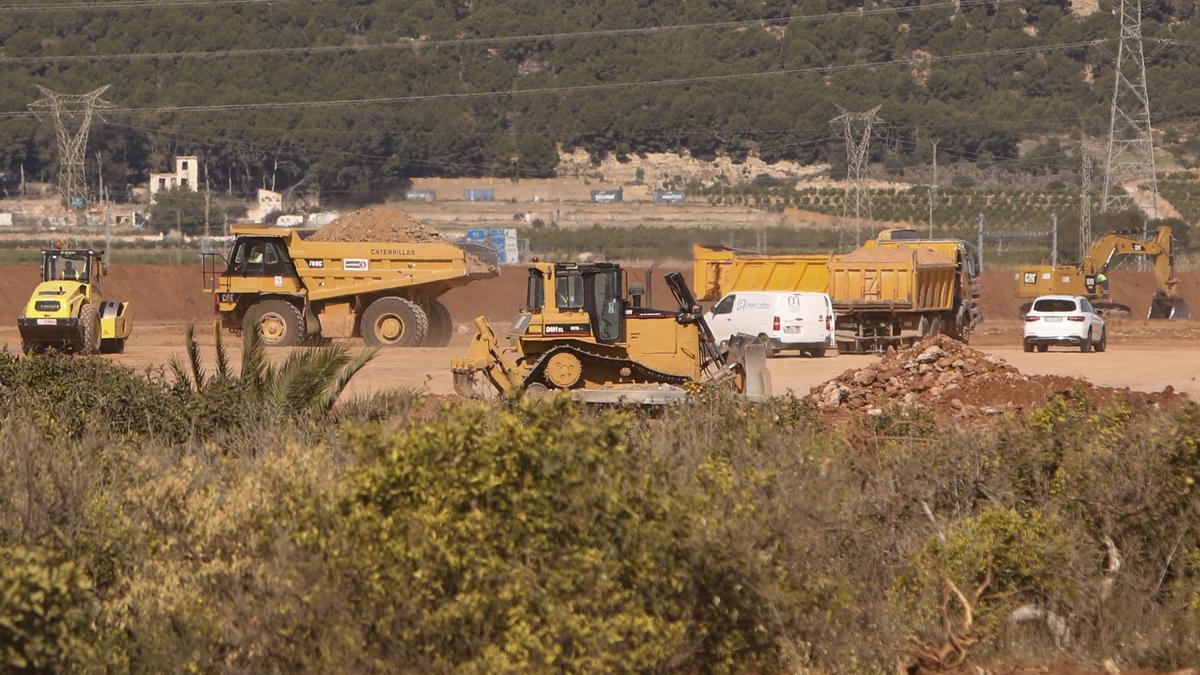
{"x":636,"y":369}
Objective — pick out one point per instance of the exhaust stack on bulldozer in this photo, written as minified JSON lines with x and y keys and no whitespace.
{"x":580,"y":333}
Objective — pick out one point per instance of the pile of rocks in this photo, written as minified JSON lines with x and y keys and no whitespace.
{"x":938,"y":373}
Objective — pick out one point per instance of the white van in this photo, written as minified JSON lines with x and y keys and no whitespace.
{"x":782,"y":319}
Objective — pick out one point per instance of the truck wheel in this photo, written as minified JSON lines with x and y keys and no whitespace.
{"x":31,"y":348}
{"x":1028,"y":347}
{"x":817,"y":353}
{"x":89,"y":330}
{"x":441,"y":326}
{"x":394,"y":322}
{"x":278,"y":322}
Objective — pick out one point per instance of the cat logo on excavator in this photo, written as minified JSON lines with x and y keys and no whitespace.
{"x":579,"y":332}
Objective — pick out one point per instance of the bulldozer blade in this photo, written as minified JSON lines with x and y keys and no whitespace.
{"x":748,"y":362}
{"x":473,"y":385}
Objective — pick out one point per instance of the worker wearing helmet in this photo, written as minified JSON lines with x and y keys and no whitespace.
{"x":1102,"y":284}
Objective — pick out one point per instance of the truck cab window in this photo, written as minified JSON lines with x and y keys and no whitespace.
{"x":535,"y":293}
{"x":568,"y":291}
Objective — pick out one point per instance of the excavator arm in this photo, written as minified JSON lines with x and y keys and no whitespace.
{"x":1166,"y":304}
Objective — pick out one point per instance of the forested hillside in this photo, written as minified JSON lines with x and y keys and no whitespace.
{"x":768,"y":82}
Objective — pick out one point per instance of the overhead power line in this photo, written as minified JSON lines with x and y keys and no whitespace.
{"x":601,"y":86}
{"x":418,"y":43}
{"x":13,"y":8}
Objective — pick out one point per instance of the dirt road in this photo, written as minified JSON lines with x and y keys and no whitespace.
{"x":1145,"y":356}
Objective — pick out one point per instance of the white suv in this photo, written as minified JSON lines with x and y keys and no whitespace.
{"x":1064,"y":320}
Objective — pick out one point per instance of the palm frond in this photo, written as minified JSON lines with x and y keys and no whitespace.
{"x":180,"y":372}
{"x":307,"y":386}
{"x":344,"y":376}
{"x":222,"y":353}
{"x":254,"y":357}
{"x":194,"y":360}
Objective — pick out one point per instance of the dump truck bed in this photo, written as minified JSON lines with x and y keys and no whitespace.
{"x":718,"y":271}
{"x":330,"y":269}
{"x":893,"y":279}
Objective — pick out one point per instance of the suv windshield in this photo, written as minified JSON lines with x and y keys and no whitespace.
{"x":66,"y":266}
{"x":1054,"y":305}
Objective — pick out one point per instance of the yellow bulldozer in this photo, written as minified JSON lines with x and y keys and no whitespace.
{"x":583,"y":329}
{"x":1088,"y":278}
{"x":67,"y":310}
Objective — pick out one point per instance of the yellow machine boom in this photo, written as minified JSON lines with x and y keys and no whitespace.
{"x":1035,"y":280}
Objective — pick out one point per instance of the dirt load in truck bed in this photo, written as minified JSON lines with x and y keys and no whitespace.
{"x":377,"y":224}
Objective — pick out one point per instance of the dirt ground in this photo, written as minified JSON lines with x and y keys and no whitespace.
{"x":1142,"y":355}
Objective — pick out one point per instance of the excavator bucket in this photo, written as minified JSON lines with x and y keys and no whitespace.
{"x":1169,"y":308}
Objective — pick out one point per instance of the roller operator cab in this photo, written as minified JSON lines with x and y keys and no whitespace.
{"x":67,"y":310}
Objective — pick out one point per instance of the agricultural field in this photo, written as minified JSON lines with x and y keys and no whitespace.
{"x":954,"y":207}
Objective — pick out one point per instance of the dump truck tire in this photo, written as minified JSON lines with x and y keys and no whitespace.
{"x":278,"y":322}
{"x":441,"y":326}
{"x":89,"y":330}
{"x":394,"y":322}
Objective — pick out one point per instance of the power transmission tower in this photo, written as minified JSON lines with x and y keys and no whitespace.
{"x":1130,"y":135}
{"x":73,"y":115}
{"x":857,"y":129}
{"x":1085,"y":205}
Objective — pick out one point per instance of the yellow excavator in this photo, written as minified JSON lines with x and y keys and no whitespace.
{"x":1089,"y":277}
{"x":584,"y":330}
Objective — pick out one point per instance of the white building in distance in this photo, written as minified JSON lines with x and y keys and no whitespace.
{"x":186,"y":174}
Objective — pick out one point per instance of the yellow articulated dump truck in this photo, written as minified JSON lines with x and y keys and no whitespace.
{"x":295,"y":290}
{"x":894,"y":290}
{"x":68,"y":311}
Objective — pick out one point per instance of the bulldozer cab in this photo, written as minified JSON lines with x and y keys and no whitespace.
{"x":68,"y":265}
{"x":575,"y":299}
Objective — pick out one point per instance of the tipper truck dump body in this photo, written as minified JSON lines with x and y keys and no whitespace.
{"x":889,"y":295}
{"x":295,"y":289}
{"x":718,"y":271}
{"x":892,"y":291}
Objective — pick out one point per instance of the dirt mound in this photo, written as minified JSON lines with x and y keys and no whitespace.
{"x":377,"y":224}
{"x":947,"y":377}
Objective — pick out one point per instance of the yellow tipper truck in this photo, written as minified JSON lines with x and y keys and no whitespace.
{"x":294,"y":289}
{"x":894,"y":290}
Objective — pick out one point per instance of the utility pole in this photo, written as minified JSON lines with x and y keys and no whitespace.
{"x":1085,"y":205}
{"x":1130,"y":134}
{"x":933,"y":188}
{"x":979,"y":234}
{"x":857,"y":130}
{"x":1053,"y":239}
{"x":79,"y":109}
{"x":207,"y":201}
